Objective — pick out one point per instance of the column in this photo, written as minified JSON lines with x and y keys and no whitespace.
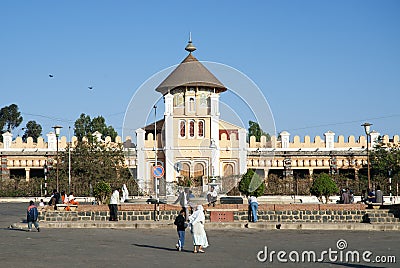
{"x":141,"y":164}
{"x":169,"y":145}
{"x":27,"y":174}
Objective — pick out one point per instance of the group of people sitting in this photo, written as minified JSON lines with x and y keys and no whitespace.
{"x":372,"y":196}
{"x":63,"y":198}
{"x":346,"y":196}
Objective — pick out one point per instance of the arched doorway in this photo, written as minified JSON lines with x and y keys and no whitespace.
{"x":185,"y":172}
{"x":228,"y":170}
{"x":198,"y":174}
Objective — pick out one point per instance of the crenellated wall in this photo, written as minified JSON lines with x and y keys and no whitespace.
{"x":318,"y":142}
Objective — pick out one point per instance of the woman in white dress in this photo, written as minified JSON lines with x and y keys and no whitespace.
{"x":196,"y":221}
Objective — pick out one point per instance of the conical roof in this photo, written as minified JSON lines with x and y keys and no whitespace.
{"x":190,"y":72}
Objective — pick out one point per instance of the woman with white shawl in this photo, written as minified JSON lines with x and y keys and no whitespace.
{"x":199,"y":235}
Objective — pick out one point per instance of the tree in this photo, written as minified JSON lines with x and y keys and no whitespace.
{"x":255,"y":130}
{"x":85,"y":127}
{"x":94,"y":162}
{"x":323,"y":185}
{"x":101,"y":192}
{"x":32,"y":129}
{"x":385,"y":158}
{"x":251,"y":184}
{"x":10,"y":118}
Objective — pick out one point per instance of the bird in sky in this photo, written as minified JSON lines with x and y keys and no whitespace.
{"x":51,"y":76}
{"x":90,"y":88}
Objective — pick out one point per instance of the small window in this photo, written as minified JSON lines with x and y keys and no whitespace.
{"x":201,"y":128}
{"x":182,"y":128}
{"x":191,"y":128}
{"x":191,"y":105}
{"x":178,"y":100}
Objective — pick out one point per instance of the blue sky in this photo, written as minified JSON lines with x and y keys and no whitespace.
{"x":322,"y":65}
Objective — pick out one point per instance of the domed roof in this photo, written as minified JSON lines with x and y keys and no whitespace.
{"x":190,"y":72}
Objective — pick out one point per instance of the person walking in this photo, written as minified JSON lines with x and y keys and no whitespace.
{"x":196,"y":221}
{"x":113,"y":205}
{"x":254,"y":207}
{"x":32,"y":216}
{"x":183,"y":200}
{"x":181,"y":225}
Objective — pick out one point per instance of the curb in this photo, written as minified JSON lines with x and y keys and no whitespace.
{"x":218,"y":226}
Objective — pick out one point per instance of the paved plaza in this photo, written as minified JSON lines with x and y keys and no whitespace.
{"x":155,"y":247}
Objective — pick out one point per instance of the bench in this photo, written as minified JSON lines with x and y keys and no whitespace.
{"x":62,"y":207}
{"x":231,"y":200}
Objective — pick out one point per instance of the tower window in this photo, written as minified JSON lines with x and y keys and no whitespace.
{"x":191,"y":129}
{"x":191,"y":105}
{"x":182,"y":128}
{"x":201,"y":128}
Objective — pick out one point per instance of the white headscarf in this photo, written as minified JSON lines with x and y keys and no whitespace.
{"x":198,"y":215}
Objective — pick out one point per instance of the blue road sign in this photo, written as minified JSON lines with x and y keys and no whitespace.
{"x":158,"y":171}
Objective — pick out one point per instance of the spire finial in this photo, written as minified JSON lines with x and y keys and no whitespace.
{"x":190,"y":47}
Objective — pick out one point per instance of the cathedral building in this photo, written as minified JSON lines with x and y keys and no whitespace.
{"x":191,"y":142}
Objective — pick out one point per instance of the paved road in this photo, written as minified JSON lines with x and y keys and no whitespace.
{"x":155,"y":248}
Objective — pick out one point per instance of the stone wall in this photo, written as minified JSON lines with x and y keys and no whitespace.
{"x":297,"y":213}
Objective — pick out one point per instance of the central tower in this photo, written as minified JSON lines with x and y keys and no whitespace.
{"x":191,"y":131}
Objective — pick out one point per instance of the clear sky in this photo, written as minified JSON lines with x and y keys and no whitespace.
{"x":322,"y":65}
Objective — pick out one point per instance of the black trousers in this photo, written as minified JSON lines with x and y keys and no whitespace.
{"x":113,"y":212}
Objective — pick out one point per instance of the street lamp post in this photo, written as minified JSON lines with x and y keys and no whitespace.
{"x":155,"y":149}
{"x":367,"y":129}
{"x":69,"y":159}
{"x":57,"y":131}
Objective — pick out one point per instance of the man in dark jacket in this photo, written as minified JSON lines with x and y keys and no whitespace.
{"x":32,"y":216}
{"x":180,"y":227}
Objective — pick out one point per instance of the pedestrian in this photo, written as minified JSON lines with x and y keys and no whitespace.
{"x":64,"y":197}
{"x":351,"y":196}
{"x":71,"y":199}
{"x":364,"y":196}
{"x":55,"y":199}
{"x":346,"y":196}
{"x":32,"y":216}
{"x":196,"y":221}
{"x":212,"y":196}
{"x":371,"y":196}
{"x":41,"y":203}
{"x":183,"y":199}
{"x":181,"y":225}
{"x":254,"y":207}
{"x":378,"y":195}
{"x":113,"y":205}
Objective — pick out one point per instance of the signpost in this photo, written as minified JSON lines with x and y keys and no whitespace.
{"x":158,"y":172}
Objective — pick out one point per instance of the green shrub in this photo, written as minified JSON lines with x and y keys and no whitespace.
{"x":251,"y":184}
{"x":101,"y":192}
{"x":323,"y":185}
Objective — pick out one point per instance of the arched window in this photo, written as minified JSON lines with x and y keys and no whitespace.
{"x":178,"y":100}
{"x":182,"y":128}
{"x":185,"y":172}
{"x":201,"y":128}
{"x":198,"y":174}
{"x":191,"y":128}
{"x":191,"y":105}
{"x":228,"y":170}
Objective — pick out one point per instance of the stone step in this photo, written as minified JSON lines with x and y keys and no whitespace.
{"x":384,"y":220}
